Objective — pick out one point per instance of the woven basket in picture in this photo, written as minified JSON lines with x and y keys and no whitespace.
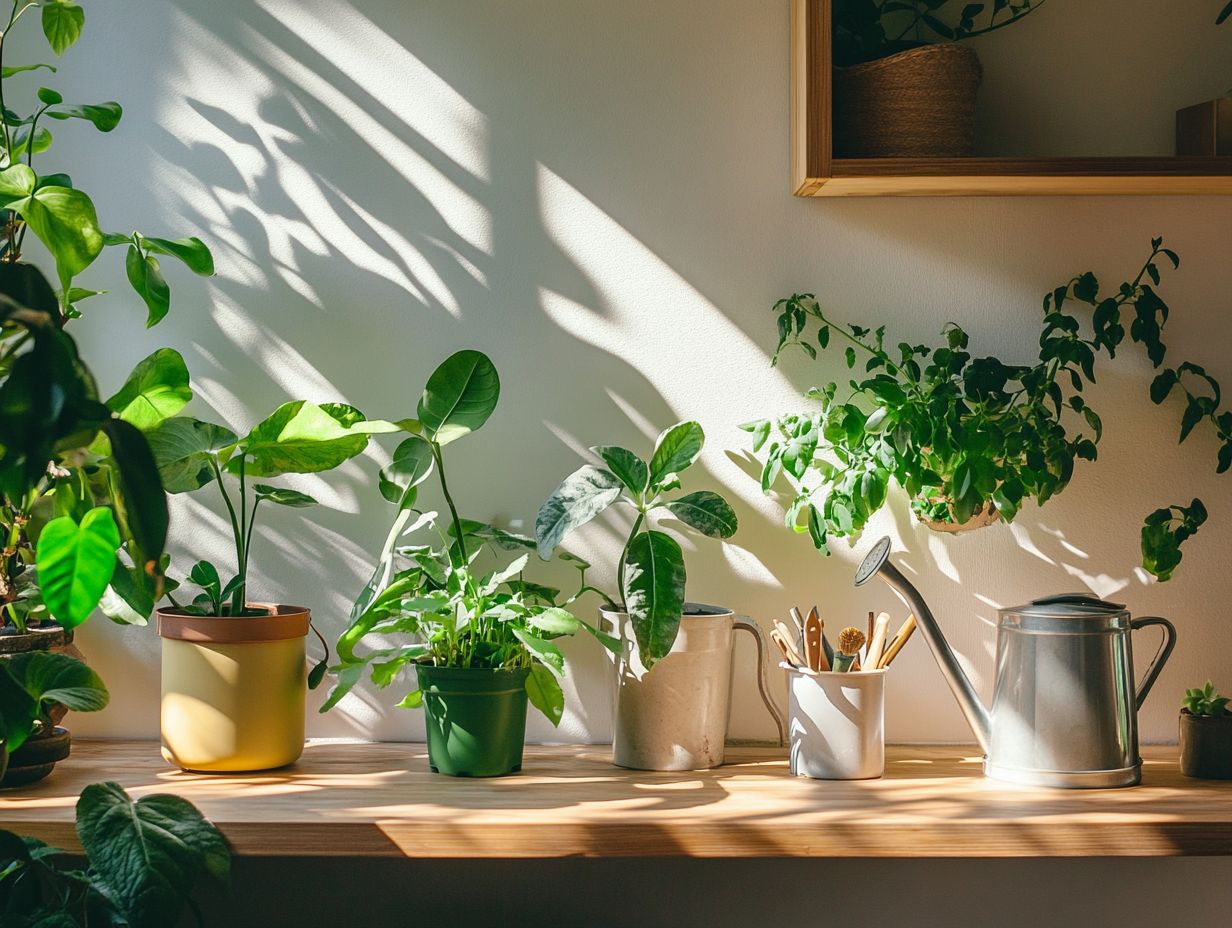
{"x":915,"y":104}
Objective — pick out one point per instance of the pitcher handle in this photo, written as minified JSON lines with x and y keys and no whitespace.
{"x":1161,"y":656}
{"x":744,"y":623}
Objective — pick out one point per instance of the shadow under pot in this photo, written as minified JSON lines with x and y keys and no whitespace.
{"x":475,"y":719}
{"x":674,"y":716}
{"x":35,"y":759}
{"x":1206,"y":746}
{"x":233,"y":689}
{"x":915,"y":104}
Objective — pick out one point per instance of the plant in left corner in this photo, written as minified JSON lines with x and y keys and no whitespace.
{"x":144,"y":859}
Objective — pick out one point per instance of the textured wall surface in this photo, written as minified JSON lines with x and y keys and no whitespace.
{"x":596,"y":194}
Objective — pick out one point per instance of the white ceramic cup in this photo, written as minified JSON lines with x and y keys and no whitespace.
{"x":837,"y":729}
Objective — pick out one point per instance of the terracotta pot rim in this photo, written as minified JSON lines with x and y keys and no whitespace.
{"x":932,"y":50}
{"x":280,"y":623}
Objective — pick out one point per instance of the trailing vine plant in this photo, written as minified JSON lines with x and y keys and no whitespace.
{"x":970,"y":438}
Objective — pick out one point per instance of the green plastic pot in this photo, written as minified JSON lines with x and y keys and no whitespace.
{"x":476,"y":719}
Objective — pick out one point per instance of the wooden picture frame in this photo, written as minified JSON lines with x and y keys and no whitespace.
{"x":816,"y":173}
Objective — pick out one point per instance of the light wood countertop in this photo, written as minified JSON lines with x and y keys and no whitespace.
{"x":360,"y":800}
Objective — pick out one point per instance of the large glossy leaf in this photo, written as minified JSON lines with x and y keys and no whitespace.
{"x":581,"y":496}
{"x":57,"y":678}
{"x":147,"y":855}
{"x":105,"y":116}
{"x":707,"y":512}
{"x":542,"y":650}
{"x":676,"y":449}
{"x":183,"y":448}
{"x":156,"y":390}
{"x":299,"y":438}
{"x":65,"y":222}
{"x":544,"y":692}
{"x":62,"y":22}
{"x":460,"y":396}
{"x":18,"y":712}
{"x":75,"y":563}
{"x":411,"y":465}
{"x":145,"y":273}
{"x":140,"y":496}
{"x":626,"y":465}
{"x":654,"y":593}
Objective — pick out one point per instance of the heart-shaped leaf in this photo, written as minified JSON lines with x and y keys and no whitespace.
{"x":146,"y":276}
{"x":65,"y":222}
{"x":676,"y":449}
{"x":184,"y":448}
{"x":57,"y":678}
{"x":156,"y":390}
{"x":192,"y":251}
{"x":300,"y":438}
{"x":147,"y":855}
{"x":583,"y":495}
{"x":707,"y":512}
{"x":654,"y":593}
{"x":460,"y":396}
{"x":62,"y":22}
{"x":75,"y":563}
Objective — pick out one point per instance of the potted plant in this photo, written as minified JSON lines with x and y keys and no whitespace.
{"x":899,"y":90}
{"x":484,"y":640}
{"x":233,"y":670}
{"x":970,"y":439}
{"x":1206,"y":734}
{"x":674,"y":670}
{"x":144,"y":860}
{"x":36,"y":688}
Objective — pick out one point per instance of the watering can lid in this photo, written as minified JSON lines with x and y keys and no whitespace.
{"x":1069,"y":606}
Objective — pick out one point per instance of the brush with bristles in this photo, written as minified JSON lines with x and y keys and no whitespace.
{"x":850,"y":641}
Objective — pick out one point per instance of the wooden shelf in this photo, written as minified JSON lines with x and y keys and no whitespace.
{"x":815,"y":173}
{"x":380,"y":800}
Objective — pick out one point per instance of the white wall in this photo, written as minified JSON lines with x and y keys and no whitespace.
{"x":597,"y":195}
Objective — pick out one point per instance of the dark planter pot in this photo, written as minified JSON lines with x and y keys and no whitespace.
{"x":476,"y":720}
{"x":1206,"y":746}
{"x":915,"y":104}
{"x":36,"y":758}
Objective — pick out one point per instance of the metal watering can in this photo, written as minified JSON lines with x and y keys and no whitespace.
{"x":1064,"y":707}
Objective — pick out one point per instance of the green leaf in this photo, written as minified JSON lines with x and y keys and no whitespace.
{"x":128,"y":600}
{"x":411,"y":465}
{"x":192,"y":251}
{"x":654,"y":593}
{"x":183,"y":448}
{"x":156,"y":390}
{"x":105,"y":116}
{"x":65,"y":222}
{"x":460,"y":396}
{"x":347,"y":676}
{"x":57,"y":678}
{"x":18,"y":713}
{"x":676,"y":449}
{"x":707,"y":512}
{"x":23,"y":143}
{"x":18,"y":69}
{"x":581,"y":496}
{"x":148,"y":855}
{"x":554,"y":620}
{"x":542,"y":650}
{"x":75,"y":563}
{"x":146,"y":276}
{"x":16,"y":182}
{"x":298,"y":438}
{"x":283,"y":496}
{"x":140,"y":498}
{"x":545,"y":694}
{"x":627,"y":466}
{"x":62,"y":22}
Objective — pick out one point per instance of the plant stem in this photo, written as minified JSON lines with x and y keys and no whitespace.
{"x":235,"y":524}
{"x":240,"y":596}
{"x":453,"y":510}
{"x":8,"y":141}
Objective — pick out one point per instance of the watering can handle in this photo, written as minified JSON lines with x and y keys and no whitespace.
{"x":1161,"y":656}
{"x":744,"y":623}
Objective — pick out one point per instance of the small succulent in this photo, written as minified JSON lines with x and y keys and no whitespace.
{"x":1205,"y":701}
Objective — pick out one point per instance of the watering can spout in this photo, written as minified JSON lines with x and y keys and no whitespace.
{"x":877,"y":563}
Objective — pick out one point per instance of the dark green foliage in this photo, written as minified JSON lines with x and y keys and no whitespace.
{"x":868,"y":29}
{"x":1205,"y":701}
{"x":963,"y":434}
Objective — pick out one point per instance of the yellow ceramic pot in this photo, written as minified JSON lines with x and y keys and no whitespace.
{"x":233,"y":689}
